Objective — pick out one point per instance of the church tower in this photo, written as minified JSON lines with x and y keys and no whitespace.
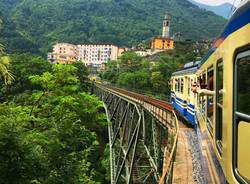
{"x":166,"y":26}
{"x":163,"y":42}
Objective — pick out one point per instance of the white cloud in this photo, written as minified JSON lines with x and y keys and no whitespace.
{"x":218,"y":2}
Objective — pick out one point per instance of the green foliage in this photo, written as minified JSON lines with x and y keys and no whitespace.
{"x":29,"y":25}
{"x":157,"y":80}
{"x":51,"y":133}
{"x":11,"y":37}
{"x":23,"y":66}
{"x":147,"y":75}
{"x":21,"y":158}
{"x":82,"y":74}
{"x":136,"y":80}
{"x":5,"y":73}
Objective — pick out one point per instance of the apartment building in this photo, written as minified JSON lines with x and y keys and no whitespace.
{"x":95,"y":55}
{"x":90,"y":54}
{"x":63,"y":53}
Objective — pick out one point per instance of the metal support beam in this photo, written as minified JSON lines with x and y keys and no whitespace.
{"x":137,"y":138}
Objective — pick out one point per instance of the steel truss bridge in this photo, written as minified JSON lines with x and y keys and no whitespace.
{"x":143,"y":134}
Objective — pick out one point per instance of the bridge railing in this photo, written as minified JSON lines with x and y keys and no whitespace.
{"x":167,"y":173}
{"x":156,"y":137}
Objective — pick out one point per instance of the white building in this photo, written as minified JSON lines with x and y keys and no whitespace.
{"x":90,"y":54}
{"x":95,"y":55}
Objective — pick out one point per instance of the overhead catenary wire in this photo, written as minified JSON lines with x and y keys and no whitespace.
{"x":233,"y":8}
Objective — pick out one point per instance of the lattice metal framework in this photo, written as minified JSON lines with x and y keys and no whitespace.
{"x":138,"y":139}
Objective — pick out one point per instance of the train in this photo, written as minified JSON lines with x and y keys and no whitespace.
{"x":215,"y":92}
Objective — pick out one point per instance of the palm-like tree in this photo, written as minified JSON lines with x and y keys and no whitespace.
{"x":5,"y":73}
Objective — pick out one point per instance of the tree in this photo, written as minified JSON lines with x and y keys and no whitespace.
{"x":75,"y":115}
{"x":130,"y":61}
{"x":5,"y":73}
{"x":138,"y":81}
{"x":51,"y":137}
{"x":22,"y":156}
{"x":82,"y":74}
{"x":158,"y":82}
{"x":112,"y":72}
{"x":23,"y":66}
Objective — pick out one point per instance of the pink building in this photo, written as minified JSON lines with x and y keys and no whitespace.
{"x":63,"y":53}
{"x":90,"y":54}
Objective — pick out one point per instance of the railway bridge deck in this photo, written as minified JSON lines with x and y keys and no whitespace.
{"x":149,"y":145}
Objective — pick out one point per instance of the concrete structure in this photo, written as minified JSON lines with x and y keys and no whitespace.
{"x":63,"y":53}
{"x":166,"y":26}
{"x":90,"y":54}
{"x":96,"y":55}
{"x":143,"y":53}
{"x":163,"y":42}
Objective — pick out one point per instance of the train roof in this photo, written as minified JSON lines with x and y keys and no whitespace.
{"x":189,"y":68}
{"x":240,"y":18}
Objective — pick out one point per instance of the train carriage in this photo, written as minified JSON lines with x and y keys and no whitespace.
{"x":182,"y":98}
{"x":222,"y":99}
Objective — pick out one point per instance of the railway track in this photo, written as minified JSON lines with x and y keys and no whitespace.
{"x":189,"y":164}
{"x":144,"y":98}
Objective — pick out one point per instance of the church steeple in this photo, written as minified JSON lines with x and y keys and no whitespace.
{"x":163,"y":42}
{"x":166,"y":26}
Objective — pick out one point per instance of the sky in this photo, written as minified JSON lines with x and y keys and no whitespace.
{"x":217,"y":2}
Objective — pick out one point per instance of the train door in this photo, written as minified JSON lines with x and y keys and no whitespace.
{"x":219,"y":105}
{"x":241,"y":124}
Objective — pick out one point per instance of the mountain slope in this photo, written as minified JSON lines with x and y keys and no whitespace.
{"x":13,"y":40}
{"x":223,"y":10}
{"x":121,"y":22}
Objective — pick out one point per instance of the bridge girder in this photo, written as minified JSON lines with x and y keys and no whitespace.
{"x":139,"y":140}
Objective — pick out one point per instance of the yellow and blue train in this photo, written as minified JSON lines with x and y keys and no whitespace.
{"x":215,"y":92}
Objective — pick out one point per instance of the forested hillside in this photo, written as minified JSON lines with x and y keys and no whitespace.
{"x":36,"y":25}
{"x":13,"y":39}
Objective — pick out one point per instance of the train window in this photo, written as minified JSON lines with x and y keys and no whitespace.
{"x":190,"y":81}
{"x":203,"y":83}
{"x":172,"y":85}
{"x":182,"y":85}
{"x":219,"y":104}
{"x":210,"y":80}
{"x":243,"y":86}
{"x":210,"y":100}
{"x":179,"y":85}
{"x":176,"y":85}
{"x":241,"y":124}
{"x":202,"y":98}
